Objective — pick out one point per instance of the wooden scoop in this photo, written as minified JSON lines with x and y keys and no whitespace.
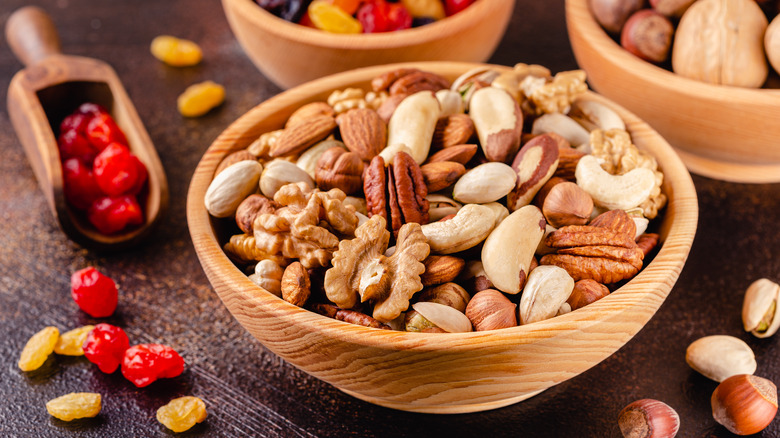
{"x":52,"y":86}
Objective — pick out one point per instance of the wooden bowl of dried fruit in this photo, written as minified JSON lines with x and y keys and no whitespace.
{"x":290,"y":54}
{"x":470,"y":340}
{"x":723,"y":132}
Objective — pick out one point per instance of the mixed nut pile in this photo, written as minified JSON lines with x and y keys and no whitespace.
{"x":716,"y":41}
{"x":413,"y":206}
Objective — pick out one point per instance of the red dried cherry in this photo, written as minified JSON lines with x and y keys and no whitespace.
{"x":91,"y":109}
{"x":94,"y":292}
{"x":115,"y":170}
{"x":398,"y":17}
{"x":142,"y":176}
{"x":81,"y":189}
{"x":112,"y":214}
{"x":77,"y":121}
{"x":373,"y":16}
{"x":102,"y":130}
{"x":143,"y":364}
{"x":452,"y":7}
{"x":73,"y":144}
{"x":105,"y":347}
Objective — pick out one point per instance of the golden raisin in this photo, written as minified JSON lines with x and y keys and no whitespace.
{"x":74,"y":405}
{"x":198,"y":99}
{"x":70,"y":342}
{"x":182,"y":413}
{"x":331,"y":18}
{"x":38,"y":349}
{"x":175,"y":51}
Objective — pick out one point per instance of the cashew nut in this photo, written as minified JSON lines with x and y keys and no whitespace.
{"x":614,"y":191}
{"x":470,"y":226}
{"x":451,"y":103}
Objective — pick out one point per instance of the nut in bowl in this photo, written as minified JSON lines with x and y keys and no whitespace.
{"x":290,"y":54}
{"x":439,"y":246}
{"x":720,"y":131}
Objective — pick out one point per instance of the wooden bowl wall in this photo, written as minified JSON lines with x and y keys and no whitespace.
{"x":722,"y":132}
{"x":439,"y":373}
{"x":290,"y":54}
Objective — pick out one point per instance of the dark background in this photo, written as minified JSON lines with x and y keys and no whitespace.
{"x":166,"y":298}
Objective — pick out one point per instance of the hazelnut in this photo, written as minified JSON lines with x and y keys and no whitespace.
{"x":648,"y":35}
{"x":565,"y":203}
{"x":449,"y":294}
{"x":648,"y":418}
{"x":585,"y":292}
{"x":744,"y":404}
{"x":490,"y":310}
{"x":612,"y":14}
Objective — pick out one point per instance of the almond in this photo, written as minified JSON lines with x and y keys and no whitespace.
{"x":302,"y":135}
{"x":461,"y":153}
{"x":308,"y":111}
{"x":441,"y":174}
{"x":363,"y":132}
{"x":498,"y":121}
{"x":452,"y":130}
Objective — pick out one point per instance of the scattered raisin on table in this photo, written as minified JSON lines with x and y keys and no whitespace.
{"x":75,"y":405}
{"x":38,"y":349}
{"x":70,"y":343}
{"x":180,"y":414}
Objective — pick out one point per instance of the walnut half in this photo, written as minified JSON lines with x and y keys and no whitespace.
{"x":360,"y":269}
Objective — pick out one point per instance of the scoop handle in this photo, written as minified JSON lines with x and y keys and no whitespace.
{"x":31,"y":34}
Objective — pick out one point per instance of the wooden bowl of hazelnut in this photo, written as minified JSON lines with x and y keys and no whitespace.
{"x":442,"y":301}
{"x":726,"y":132}
{"x":290,"y":54}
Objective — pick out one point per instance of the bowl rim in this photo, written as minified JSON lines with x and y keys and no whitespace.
{"x":441,"y":29}
{"x":662,"y":272}
{"x":579,"y":17}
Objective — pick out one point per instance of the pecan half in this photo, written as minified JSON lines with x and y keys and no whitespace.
{"x":349,"y":316}
{"x":604,"y":251}
{"x":411,"y":189}
{"x":375,"y":187}
{"x":383,"y":81}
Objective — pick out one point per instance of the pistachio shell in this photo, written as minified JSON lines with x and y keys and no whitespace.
{"x":760,"y":310}
{"x":720,"y":357}
{"x":548,"y":287}
{"x":445,"y":317}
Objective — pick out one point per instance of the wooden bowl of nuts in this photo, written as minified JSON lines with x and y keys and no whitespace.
{"x":720,"y":131}
{"x":442,"y":301}
{"x":290,"y":54}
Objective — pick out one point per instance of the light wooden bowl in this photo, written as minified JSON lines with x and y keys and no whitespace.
{"x":722,"y":132}
{"x":438,"y":373}
{"x":290,"y":54}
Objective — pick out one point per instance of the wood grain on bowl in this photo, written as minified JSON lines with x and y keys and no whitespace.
{"x":439,"y":373}
{"x":290,"y":54}
{"x":727,"y":133}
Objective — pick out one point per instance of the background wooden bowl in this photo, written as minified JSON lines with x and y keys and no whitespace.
{"x":439,"y":373}
{"x":722,"y":132}
{"x":290,"y":54}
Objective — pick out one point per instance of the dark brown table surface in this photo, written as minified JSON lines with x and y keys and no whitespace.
{"x":166,"y":298}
